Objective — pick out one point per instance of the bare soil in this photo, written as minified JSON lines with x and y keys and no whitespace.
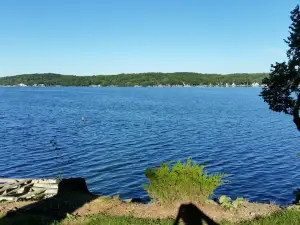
{"x":116,"y":207}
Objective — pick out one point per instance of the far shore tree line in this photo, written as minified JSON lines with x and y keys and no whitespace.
{"x":138,"y":79}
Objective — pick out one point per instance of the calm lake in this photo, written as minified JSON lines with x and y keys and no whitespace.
{"x":126,"y":130}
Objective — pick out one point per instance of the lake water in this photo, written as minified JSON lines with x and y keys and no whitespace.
{"x":126,"y":130}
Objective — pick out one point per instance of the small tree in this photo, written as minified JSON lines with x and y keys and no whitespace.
{"x":282,"y":90}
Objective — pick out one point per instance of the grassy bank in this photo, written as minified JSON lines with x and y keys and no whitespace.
{"x":171,"y":187}
{"x":286,"y":217}
{"x":104,"y":210}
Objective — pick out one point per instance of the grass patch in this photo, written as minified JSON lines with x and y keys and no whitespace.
{"x":287,"y":217}
{"x":117,"y":220}
{"x":26,"y":220}
{"x":181,"y":183}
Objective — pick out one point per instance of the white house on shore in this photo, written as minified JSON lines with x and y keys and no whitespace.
{"x":255,"y":85}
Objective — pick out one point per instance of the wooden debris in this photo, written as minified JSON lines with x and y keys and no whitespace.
{"x":32,"y":194}
{"x":16,"y":189}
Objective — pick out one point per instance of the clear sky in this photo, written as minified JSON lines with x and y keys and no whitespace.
{"x":86,"y":37}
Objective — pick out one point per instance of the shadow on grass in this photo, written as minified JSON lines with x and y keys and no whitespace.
{"x":191,"y":215}
{"x":72,"y":194}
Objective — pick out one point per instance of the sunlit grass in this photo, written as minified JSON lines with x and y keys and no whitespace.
{"x":287,"y":217}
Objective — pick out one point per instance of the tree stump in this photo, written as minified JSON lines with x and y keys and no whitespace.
{"x":72,"y":185}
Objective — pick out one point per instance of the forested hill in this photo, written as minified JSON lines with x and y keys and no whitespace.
{"x":140,"y":79}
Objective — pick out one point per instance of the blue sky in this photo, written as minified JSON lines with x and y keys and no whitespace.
{"x":86,"y":37}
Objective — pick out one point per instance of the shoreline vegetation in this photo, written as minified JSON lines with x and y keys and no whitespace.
{"x":112,"y":210}
{"x":172,"y":188}
{"x":178,"y":79}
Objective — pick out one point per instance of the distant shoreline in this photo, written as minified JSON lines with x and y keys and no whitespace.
{"x":180,"y":79}
{"x":156,"y":86}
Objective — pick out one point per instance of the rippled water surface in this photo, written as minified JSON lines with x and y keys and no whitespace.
{"x":127,"y":130}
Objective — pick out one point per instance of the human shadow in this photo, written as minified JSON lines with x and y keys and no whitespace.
{"x":191,"y":215}
{"x":72,"y":194}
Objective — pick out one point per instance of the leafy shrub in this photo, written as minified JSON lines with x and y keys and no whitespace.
{"x":228,"y":204}
{"x":181,"y":183}
{"x":225,"y":201}
{"x":239,"y":201}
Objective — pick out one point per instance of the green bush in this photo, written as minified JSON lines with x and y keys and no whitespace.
{"x":181,"y":183}
{"x":226,"y":202}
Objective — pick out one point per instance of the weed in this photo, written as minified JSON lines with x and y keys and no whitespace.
{"x":181,"y":183}
{"x":226,"y":202}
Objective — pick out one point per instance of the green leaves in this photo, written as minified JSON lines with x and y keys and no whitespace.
{"x":226,"y":202}
{"x":181,"y":183}
{"x":238,"y":202}
{"x":282,"y":89}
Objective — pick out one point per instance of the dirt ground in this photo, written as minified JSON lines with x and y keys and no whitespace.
{"x":116,"y":207}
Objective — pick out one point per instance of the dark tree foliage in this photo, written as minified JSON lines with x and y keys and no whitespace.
{"x":282,"y":90}
{"x":129,"y":80}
